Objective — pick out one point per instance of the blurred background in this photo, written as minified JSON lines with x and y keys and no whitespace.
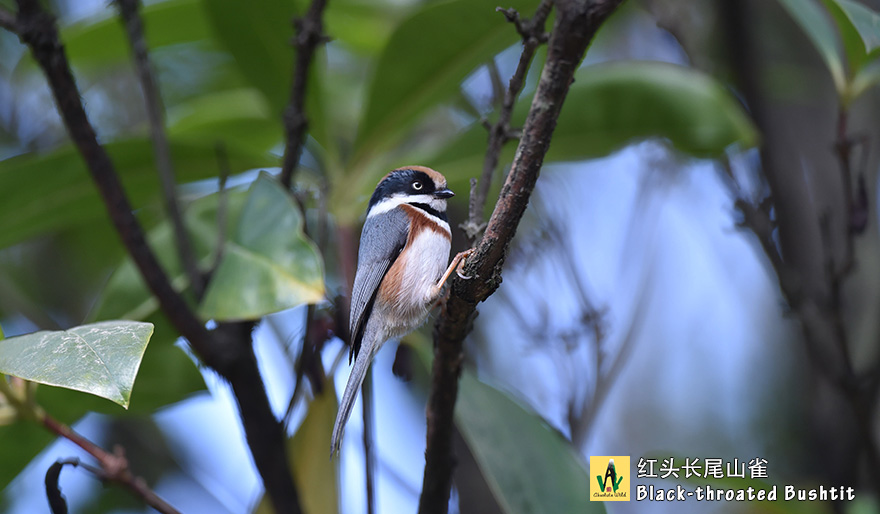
{"x":700,"y":250}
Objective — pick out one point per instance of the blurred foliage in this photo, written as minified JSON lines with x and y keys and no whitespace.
{"x":387,"y":85}
{"x":855,"y":67}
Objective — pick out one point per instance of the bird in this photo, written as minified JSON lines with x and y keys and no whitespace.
{"x":404,"y":247}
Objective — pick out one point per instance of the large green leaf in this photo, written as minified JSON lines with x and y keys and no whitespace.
{"x":126,"y":295}
{"x":166,"y":375}
{"x":426,"y":59}
{"x":268,"y":265}
{"x":101,"y":358}
{"x":44,"y":193}
{"x":612,"y":105}
{"x":813,"y":21}
{"x":528,"y":465}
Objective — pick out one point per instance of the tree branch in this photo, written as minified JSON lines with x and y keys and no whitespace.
{"x":532,"y":32}
{"x":114,"y":467}
{"x":309,"y":34}
{"x":369,"y":440}
{"x":227,"y":349}
{"x":576,"y":24}
{"x":130,"y":12}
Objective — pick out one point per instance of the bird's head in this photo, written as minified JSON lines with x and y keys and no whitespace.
{"x":410,"y":185}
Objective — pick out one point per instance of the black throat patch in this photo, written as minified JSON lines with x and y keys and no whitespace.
{"x":430,"y":210}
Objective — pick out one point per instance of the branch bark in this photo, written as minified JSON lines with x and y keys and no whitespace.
{"x":228,"y":348}
{"x":532,"y":32}
{"x":576,"y":24}
{"x":309,"y":34}
{"x":134,"y":27}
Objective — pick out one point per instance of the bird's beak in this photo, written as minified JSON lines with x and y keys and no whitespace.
{"x":443,"y":193}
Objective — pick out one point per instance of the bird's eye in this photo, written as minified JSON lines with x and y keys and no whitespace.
{"x":417,"y":185}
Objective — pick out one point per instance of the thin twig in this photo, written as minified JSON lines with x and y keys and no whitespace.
{"x":222,"y":205}
{"x":134,"y":26}
{"x":309,"y":34}
{"x":576,"y":24}
{"x":532,"y":32}
{"x":369,"y":439}
{"x":114,"y":466}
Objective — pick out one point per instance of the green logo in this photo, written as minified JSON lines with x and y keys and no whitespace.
{"x":611,"y":473}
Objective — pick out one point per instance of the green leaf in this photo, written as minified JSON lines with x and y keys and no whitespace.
{"x":426,"y":59}
{"x":615,"y":104}
{"x":361,"y":25}
{"x":101,"y":358}
{"x":166,"y":375}
{"x":54,"y":190}
{"x":268,"y":265}
{"x":316,"y":475}
{"x":867,"y":77}
{"x":260,"y":41}
{"x":126,"y":295}
{"x":809,"y":16}
{"x":528,"y":465}
{"x":865,"y":22}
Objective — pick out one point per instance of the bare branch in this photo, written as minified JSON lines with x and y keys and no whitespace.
{"x":130,"y":12}
{"x":576,"y":24}
{"x":114,"y":467}
{"x":222,"y":206}
{"x":532,"y":32}
{"x":309,"y":34}
{"x":369,"y":439}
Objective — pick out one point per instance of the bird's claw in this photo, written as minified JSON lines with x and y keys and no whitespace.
{"x":459,"y":270}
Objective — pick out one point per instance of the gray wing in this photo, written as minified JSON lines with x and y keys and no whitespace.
{"x":382,"y":240}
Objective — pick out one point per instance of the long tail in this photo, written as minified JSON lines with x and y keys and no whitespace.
{"x":358,"y":373}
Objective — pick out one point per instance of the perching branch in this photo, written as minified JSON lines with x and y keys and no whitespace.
{"x":309,"y":34}
{"x":576,"y":24}
{"x":532,"y":32}
{"x":134,"y":27}
{"x":228,"y":348}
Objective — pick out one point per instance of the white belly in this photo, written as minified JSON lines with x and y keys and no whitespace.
{"x":426,"y":260}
